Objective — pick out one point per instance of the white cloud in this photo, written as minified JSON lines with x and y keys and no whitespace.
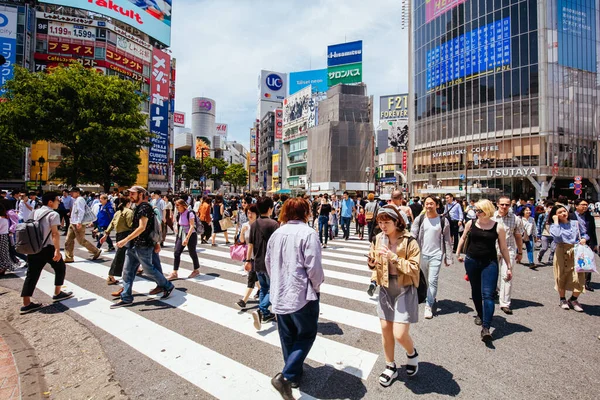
{"x":221,"y":46}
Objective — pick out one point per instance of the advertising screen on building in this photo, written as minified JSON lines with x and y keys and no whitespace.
{"x":296,"y":107}
{"x":159,"y":115}
{"x":153,"y":17}
{"x":398,"y":134}
{"x":577,"y":34}
{"x":393,"y":106}
{"x":272,"y":86}
{"x":8,"y":44}
{"x":348,"y":73}
{"x":316,"y":78}
{"x":202,"y":149}
{"x":435,"y":8}
{"x":344,"y":53}
{"x":485,"y":49}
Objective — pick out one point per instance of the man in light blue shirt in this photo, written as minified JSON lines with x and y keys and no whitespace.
{"x":347,"y":207}
{"x":453,"y":210}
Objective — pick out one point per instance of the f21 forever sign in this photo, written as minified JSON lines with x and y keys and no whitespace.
{"x":344,"y":63}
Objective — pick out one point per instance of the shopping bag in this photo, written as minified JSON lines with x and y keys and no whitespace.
{"x":584,"y":259}
{"x":238,"y":251}
{"x":226,"y":223}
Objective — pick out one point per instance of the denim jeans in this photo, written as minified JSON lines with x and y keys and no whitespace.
{"x":334,"y":231}
{"x":483,"y":276}
{"x":297,"y":333}
{"x":263,"y":298}
{"x":345,"y":221}
{"x":101,"y":233}
{"x":323,"y":228}
{"x":529,"y":247}
{"x":147,"y":258}
{"x":431,"y":267}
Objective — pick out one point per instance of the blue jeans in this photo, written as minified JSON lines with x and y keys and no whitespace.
{"x":431,"y":266}
{"x":297,"y":333}
{"x":263,"y":297}
{"x":529,"y":247}
{"x":334,"y":231}
{"x":146,"y":257}
{"x":483,"y":277}
{"x":323,"y":228}
{"x":345,"y":221}
{"x":101,"y":233}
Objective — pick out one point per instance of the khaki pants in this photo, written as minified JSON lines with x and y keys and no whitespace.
{"x":77,"y":234}
{"x":506,"y":287}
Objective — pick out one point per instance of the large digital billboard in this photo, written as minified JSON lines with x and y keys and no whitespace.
{"x":577,"y":34}
{"x":153,"y":17}
{"x":316,"y":78}
{"x":344,"y":53}
{"x":435,"y":8}
{"x":485,"y":49}
{"x":8,"y":44}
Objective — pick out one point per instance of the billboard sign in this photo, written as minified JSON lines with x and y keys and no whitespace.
{"x":316,"y":78}
{"x":202,"y":149}
{"x":484,"y":49}
{"x":344,"y":53}
{"x":398,"y":134}
{"x":8,"y":44}
{"x":348,"y":73}
{"x":153,"y":17}
{"x":70,"y":31}
{"x":435,"y":8}
{"x":221,"y":129}
{"x":577,"y":34}
{"x":59,"y":47}
{"x":278,"y":124}
{"x":272,"y":86}
{"x":133,"y":48}
{"x":159,"y":114}
{"x":393,"y":106}
{"x":253,"y":140}
{"x":296,"y":107}
{"x":179,"y":118}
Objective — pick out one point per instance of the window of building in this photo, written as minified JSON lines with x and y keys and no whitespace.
{"x":99,"y":53}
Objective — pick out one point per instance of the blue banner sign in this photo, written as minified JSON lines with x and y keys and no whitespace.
{"x":344,"y":53}
{"x":317,"y":78}
{"x":485,"y":49}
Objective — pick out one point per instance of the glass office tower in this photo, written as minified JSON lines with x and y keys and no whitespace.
{"x":506,"y":97}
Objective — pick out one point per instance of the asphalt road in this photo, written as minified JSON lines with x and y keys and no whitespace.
{"x":199,"y":345}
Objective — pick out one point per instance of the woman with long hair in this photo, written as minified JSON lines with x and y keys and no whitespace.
{"x":394,"y":259}
{"x":218,"y":213}
{"x":121,"y":223}
{"x":323,"y":211}
{"x":481,"y":262}
{"x":169,"y":212}
{"x":251,"y":213}
{"x":566,"y":234}
{"x":186,"y":236}
{"x":528,"y":237}
{"x":8,"y":262}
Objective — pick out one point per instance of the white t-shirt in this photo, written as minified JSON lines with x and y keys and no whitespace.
{"x":52,"y":219}
{"x":78,"y":210}
{"x":432,"y":237}
{"x":160,"y":207}
{"x":24,"y":212}
{"x":4,"y":222}
{"x":246,"y":232}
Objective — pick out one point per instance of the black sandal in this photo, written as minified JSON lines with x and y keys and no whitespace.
{"x":388,"y":375}
{"x":413,"y":364}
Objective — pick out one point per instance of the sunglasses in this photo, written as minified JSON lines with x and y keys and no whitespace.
{"x":478,"y":211}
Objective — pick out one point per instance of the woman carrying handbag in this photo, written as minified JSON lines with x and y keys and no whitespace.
{"x":218,"y":213}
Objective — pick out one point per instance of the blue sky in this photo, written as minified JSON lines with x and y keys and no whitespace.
{"x":221,"y":46}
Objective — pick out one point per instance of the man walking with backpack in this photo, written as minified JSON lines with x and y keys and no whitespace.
{"x":432,"y":232}
{"x":77,"y":228}
{"x":141,"y":248}
{"x":48,"y":222}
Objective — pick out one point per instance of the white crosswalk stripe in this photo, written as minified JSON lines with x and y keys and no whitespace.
{"x":347,"y":278}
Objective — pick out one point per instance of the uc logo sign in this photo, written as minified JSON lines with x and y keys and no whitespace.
{"x":274,"y":82}
{"x":3,"y":20}
{"x":207,"y":105}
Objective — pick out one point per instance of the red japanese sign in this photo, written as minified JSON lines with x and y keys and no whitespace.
{"x":278,"y":124}
{"x":404,"y":161}
{"x":74,"y":49}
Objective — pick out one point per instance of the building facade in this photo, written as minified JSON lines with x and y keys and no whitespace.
{"x":266,"y":146}
{"x":506,"y":97}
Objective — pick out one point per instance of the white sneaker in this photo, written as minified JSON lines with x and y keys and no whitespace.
{"x":428,"y":312}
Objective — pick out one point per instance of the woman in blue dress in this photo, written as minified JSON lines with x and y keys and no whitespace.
{"x":218,"y":213}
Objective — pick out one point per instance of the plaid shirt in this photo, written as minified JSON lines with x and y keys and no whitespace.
{"x":512,"y":225}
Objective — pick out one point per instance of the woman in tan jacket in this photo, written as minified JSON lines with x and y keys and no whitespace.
{"x":394,"y":259}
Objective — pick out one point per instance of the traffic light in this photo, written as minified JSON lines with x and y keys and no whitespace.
{"x":460,"y":187}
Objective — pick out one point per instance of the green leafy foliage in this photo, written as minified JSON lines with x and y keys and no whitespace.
{"x":97,"y":118}
{"x":237,"y":175}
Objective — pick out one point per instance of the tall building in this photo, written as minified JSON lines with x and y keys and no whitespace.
{"x":204,"y":111}
{"x":266,"y":146}
{"x":506,"y":97}
{"x":340,"y":145}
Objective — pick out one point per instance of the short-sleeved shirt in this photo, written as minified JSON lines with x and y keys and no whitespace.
{"x":143,"y":210}
{"x":159,"y":204}
{"x":260,"y":233}
{"x":46,"y":223}
{"x":347,"y":206}
{"x":512,"y":225}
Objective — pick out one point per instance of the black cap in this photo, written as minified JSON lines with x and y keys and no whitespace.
{"x":75,"y":189}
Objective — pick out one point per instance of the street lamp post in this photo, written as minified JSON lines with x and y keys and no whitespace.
{"x":368,"y":171}
{"x":41,"y":161}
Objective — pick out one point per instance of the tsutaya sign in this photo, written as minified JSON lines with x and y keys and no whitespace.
{"x":457,"y":152}
{"x":512,"y":172}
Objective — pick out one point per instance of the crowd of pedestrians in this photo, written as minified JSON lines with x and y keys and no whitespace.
{"x":280,"y":242}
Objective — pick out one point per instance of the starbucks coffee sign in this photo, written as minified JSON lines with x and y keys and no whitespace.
{"x":512,"y":172}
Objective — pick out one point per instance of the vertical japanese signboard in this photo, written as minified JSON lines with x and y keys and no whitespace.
{"x":278,"y":124}
{"x":158,"y":157}
{"x":8,"y":44}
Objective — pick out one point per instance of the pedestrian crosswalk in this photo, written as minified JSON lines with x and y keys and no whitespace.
{"x":211,"y":297}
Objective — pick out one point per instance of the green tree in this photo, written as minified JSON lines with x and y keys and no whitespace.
{"x":220,"y":166}
{"x":237,"y":175}
{"x":193,"y":169}
{"x":97,"y":118}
